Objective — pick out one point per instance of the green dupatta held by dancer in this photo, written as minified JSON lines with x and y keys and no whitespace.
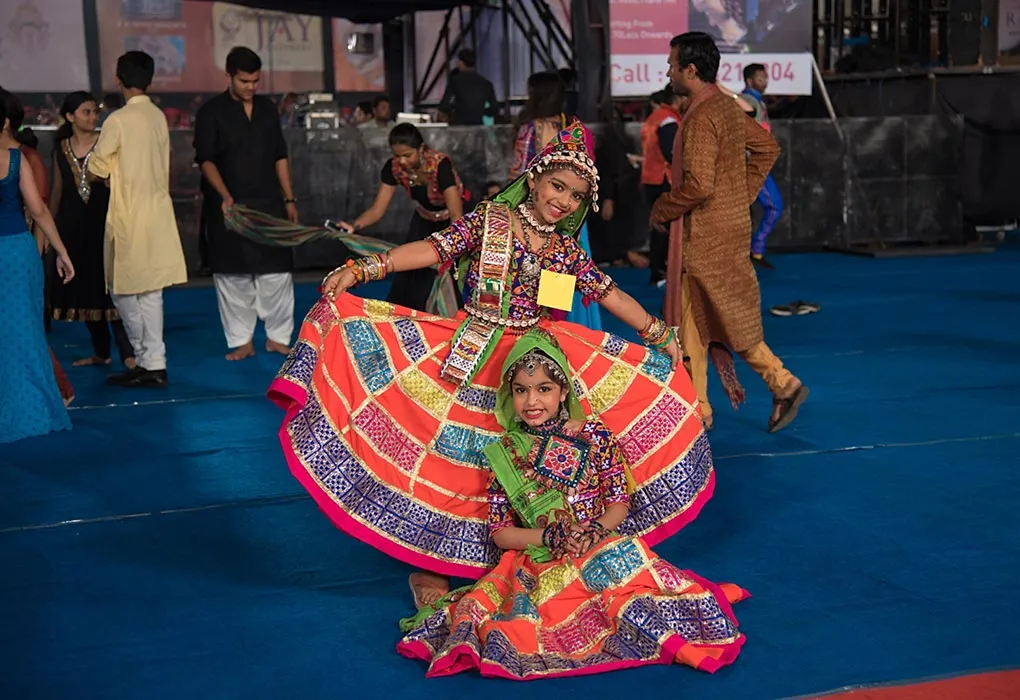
{"x":542,"y":613}
{"x":389,"y":410}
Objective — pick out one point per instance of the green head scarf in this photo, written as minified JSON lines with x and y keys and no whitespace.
{"x":520,"y":441}
{"x":535,"y":506}
{"x":573,"y":147}
{"x":540,"y":340}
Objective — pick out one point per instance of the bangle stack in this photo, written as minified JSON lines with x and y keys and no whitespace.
{"x":554,"y":538}
{"x":657,"y":334}
{"x":370,"y":268}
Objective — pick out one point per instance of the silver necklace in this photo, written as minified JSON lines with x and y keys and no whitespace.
{"x":81,"y":172}
{"x":531,"y":266}
{"x":543,"y":230}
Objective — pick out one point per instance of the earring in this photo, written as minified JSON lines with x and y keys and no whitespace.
{"x":564,"y":412}
{"x":530,"y":202}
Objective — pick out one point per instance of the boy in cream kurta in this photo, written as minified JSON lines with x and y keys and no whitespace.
{"x":143,"y":248}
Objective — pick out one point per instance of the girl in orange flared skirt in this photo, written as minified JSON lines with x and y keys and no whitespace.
{"x":570,"y":595}
{"x":389,"y":410}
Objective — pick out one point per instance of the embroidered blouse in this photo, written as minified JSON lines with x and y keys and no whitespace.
{"x":563,"y":255}
{"x":598,"y":476}
{"x":430,"y":194}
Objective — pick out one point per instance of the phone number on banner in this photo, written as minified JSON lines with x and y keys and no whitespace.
{"x":639,"y":75}
{"x":789,"y":73}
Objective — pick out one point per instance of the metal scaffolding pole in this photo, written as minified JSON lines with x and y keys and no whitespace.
{"x":547,"y":40}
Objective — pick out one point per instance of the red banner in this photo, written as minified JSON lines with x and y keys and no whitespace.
{"x":189,"y":42}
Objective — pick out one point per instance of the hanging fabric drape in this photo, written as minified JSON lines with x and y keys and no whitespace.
{"x":269,"y":230}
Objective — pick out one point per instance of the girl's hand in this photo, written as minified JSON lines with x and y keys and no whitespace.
{"x":64,"y":267}
{"x":676,"y":354}
{"x":583,"y":537}
{"x":573,"y":544}
{"x":339,"y":282}
{"x":347,"y":227}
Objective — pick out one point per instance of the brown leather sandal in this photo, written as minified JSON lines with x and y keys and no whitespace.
{"x":788,"y":408}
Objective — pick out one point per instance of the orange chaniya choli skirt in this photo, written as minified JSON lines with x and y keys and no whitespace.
{"x":392,"y":453}
{"x":617,"y":607}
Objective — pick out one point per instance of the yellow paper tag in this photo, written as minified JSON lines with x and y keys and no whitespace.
{"x":556,"y":290}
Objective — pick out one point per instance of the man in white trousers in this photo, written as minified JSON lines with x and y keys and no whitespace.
{"x":240,"y":148}
{"x":143,"y":253}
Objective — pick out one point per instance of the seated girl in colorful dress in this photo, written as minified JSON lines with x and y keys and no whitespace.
{"x":569,"y":596}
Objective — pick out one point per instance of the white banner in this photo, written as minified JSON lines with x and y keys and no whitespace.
{"x":637,"y":75}
{"x":1009,"y":27}
{"x":42,"y":46}
{"x":283,"y":41}
{"x":789,"y":73}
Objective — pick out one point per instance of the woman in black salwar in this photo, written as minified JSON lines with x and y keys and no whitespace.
{"x":79,"y":202}
{"x":432,"y":182}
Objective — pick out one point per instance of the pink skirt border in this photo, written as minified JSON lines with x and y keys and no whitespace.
{"x":464,"y":658}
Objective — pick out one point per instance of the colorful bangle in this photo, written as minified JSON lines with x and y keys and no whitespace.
{"x":554,"y":538}
{"x":370,"y":268}
{"x":596,"y":531}
{"x":657,"y":334}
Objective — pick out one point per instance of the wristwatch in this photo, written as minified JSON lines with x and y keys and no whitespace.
{"x":291,"y":200}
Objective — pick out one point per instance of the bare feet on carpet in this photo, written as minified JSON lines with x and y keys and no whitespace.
{"x":280,"y":348}
{"x":130,"y":363}
{"x":94,"y":361}
{"x":428,"y":587}
{"x":242,"y":353}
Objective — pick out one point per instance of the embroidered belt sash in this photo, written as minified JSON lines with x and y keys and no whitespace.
{"x":478,"y":334}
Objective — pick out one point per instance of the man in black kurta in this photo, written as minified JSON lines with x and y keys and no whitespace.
{"x":240,"y":148}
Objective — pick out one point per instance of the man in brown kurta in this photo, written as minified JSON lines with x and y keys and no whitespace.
{"x":720,"y":159}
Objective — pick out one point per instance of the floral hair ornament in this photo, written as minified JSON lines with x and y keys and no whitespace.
{"x":572,"y":148}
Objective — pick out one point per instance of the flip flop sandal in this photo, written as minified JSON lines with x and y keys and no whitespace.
{"x":788,"y":408}
{"x":784,"y":310}
{"x":803,"y":308}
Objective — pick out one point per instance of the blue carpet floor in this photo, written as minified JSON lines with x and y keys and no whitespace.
{"x":162,"y":550}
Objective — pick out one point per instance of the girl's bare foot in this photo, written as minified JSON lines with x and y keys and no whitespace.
{"x":428,"y":587}
{"x":272,"y":346}
{"x":94,"y":361}
{"x":242,"y":353}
